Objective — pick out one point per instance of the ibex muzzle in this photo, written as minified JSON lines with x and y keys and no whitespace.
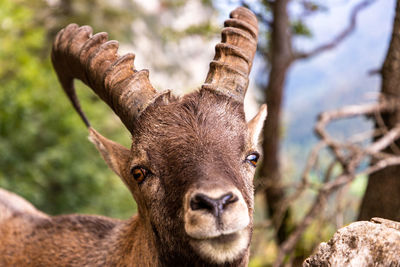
{"x":216,"y":218}
{"x":190,"y":166}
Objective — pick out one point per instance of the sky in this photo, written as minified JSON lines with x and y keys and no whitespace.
{"x":340,"y":76}
{"x":346,"y":67}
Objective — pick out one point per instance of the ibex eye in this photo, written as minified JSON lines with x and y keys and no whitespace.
{"x":253,"y":158}
{"x":139,"y":174}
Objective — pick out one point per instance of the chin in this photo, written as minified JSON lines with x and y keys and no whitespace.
{"x":223,"y":248}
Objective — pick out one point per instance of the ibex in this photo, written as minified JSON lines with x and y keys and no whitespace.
{"x":190,"y":166}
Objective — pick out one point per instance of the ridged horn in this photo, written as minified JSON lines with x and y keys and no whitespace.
{"x":230,"y":69}
{"x":77,"y":54}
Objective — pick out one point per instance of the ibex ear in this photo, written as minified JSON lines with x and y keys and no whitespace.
{"x":256,"y":124}
{"x":115,"y":155}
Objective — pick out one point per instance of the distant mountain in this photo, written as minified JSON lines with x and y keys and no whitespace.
{"x":301,"y":116}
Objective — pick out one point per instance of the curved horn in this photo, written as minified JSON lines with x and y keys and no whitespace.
{"x":229,"y":71}
{"x":94,"y":61}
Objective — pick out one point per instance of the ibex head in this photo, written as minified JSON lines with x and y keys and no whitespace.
{"x":192,"y":160}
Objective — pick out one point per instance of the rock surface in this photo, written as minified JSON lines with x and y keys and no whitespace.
{"x":374,"y":243}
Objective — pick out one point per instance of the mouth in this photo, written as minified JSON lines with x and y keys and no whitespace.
{"x":220,"y":239}
{"x":222,"y":248}
{"x":224,"y":239}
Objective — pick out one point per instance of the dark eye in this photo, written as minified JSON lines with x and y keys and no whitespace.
{"x":253,"y":158}
{"x":139,"y":174}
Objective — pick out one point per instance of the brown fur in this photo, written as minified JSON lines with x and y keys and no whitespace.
{"x":196,"y":141}
{"x":195,"y":207}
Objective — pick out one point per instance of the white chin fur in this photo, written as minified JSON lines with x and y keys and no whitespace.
{"x":222,"y":251}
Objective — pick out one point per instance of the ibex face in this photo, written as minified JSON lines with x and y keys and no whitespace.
{"x":198,"y":160}
{"x":192,"y":159}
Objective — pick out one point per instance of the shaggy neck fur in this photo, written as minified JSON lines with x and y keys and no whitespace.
{"x":135,"y":244}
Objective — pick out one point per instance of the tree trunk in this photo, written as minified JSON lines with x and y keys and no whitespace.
{"x":280,"y":59}
{"x":382,"y":197}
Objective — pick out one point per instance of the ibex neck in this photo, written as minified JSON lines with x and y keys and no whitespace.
{"x":133,"y":244}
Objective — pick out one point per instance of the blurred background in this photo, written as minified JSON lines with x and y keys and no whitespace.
{"x":45,"y":155}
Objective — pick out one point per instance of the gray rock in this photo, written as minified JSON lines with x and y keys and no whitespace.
{"x":375,"y":243}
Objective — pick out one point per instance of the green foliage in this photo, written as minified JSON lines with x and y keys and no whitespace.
{"x":312,"y":6}
{"x":300,"y":29}
{"x":206,"y":29}
{"x":45,"y":154}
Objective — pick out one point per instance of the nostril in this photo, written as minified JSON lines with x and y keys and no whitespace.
{"x":228,"y":199}
{"x":215,"y":206}
{"x":201,"y":201}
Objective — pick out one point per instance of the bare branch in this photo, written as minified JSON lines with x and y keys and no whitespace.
{"x":305,"y":181}
{"x":288,"y":246}
{"x":373,"y":72}
{"x":341,"y":36}
{"x":390,"y":161}
{"x":385,"y":141}
{"x":382,"y":126}
{"x":349,"y":156}
{"x":348,"y":112}
{"x":360,"y":137}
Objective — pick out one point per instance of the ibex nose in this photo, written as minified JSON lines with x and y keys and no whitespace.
{"x":215,"y":206}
